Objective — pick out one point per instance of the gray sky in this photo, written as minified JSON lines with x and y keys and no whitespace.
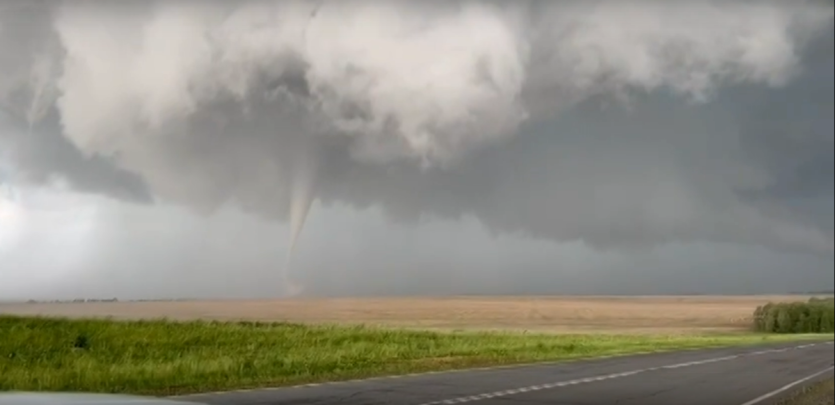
{"x":486,"y":147}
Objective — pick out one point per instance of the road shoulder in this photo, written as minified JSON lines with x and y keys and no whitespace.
{"x":819,"y":393}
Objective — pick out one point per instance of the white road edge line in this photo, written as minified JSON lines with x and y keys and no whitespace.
{"x":787,"y":387}
{"x":541,"y":387}
{"x":466,"y":370}
{"x":452,"y":371}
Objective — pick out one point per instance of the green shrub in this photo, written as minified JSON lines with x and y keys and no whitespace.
{"x":822,"y":300}
{"x":827,"y":319}
{"x":814,"y":316}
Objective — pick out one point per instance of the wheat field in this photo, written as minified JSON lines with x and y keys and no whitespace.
{"x":576,"y":314}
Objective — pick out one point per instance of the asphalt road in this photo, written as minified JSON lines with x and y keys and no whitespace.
{"x":729,"y":376}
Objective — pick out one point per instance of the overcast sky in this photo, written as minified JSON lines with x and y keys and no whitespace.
{"x":170,"y":149}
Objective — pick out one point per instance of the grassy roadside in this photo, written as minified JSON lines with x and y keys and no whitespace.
{"x":821,"y":393}
{"x":166,"y":358}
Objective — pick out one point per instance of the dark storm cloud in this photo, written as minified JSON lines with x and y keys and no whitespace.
{"x":30,"y":129}
{"x":43,"y":156}
{"x":624,"y":125}
{"x":789,"y":132}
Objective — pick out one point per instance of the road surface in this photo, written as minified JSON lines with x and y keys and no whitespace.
{"x":728,"y":376}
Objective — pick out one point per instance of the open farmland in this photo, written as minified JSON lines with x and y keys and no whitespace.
{"x":170,"y":357}
{"x":165,"y":357}
{"x":576,"y":314}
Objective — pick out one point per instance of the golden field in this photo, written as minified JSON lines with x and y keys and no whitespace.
{"x":575,"y":314}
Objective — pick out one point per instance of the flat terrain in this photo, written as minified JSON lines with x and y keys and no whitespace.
{"x":139,"y":353}
{"x":167,"y":357}
{"x":576,"y":314}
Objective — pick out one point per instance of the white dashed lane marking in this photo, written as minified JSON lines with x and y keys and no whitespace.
{"x":541,"y":387}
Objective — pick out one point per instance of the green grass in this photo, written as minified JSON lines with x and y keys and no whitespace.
{"x":166,"y":358}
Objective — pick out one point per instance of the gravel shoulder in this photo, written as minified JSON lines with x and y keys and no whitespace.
{"x":821,"y":393}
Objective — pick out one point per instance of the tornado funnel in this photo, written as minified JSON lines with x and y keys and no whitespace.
{"x":302,"y":194}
